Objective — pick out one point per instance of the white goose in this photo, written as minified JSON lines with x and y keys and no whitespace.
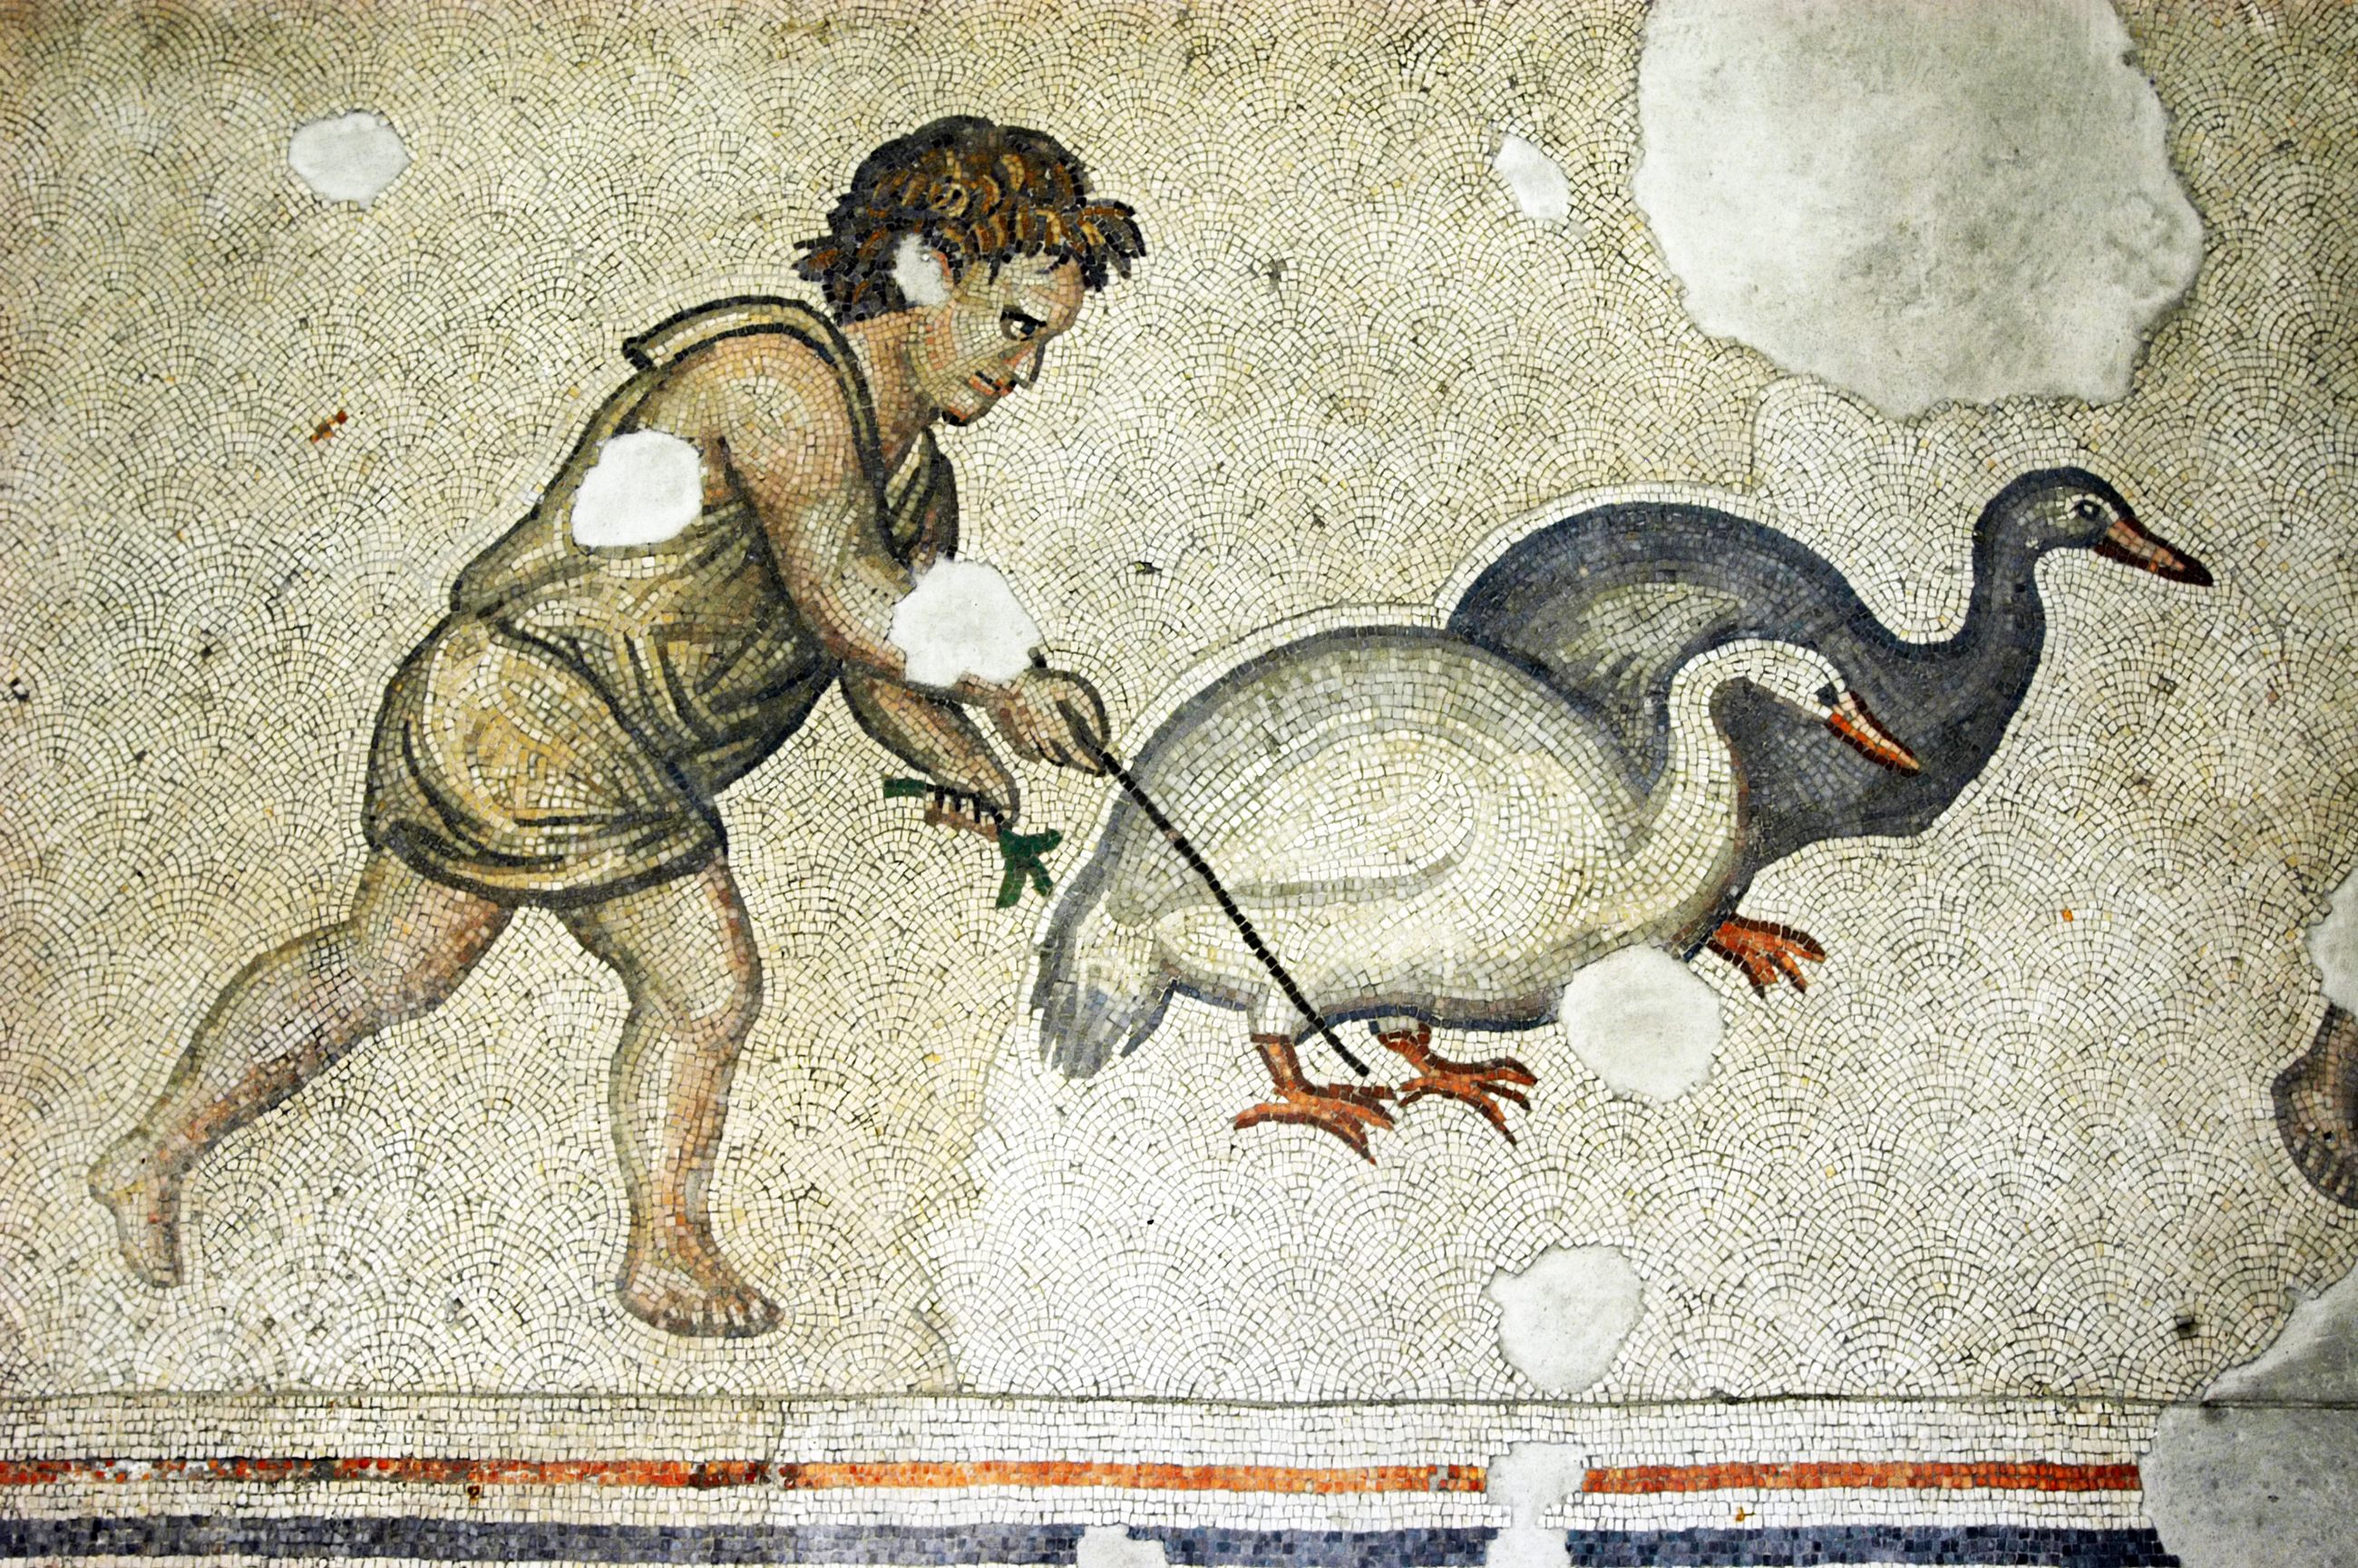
{"x":1424,"y":834}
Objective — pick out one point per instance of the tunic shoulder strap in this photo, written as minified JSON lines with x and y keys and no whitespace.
{"x":530,"y":550}
{"x":670,"y":341}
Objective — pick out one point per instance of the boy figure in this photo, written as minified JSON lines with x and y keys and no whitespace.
{"x":559,"y":737}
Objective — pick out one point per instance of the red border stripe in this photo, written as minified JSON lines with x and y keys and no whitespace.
{"x":918,"y":1476}
{"x":2003,"y":1475}
{"x":2035,"y":1475}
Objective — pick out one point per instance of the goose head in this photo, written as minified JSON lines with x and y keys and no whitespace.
{"x":2072,"y":509}
{"x":1806,"y":680}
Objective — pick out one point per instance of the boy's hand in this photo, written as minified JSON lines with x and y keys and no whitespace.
{"x":1053,"y":716}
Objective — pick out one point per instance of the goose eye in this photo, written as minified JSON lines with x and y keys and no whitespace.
{"x":1828,"y":695}
{"x":2086,"y":510}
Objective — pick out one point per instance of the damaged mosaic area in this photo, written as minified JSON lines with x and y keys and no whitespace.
{"x":1870,"y":1163}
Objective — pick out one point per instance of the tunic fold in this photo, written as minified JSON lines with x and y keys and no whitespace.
{"x":559,"y":737}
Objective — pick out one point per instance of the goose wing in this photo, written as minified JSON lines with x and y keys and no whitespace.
{"x":1620,"y":649}
{"x":1376,"y":774}
{"x":1346,"y":811}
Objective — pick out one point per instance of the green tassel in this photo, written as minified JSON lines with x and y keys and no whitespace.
{"x":1025,"y":855}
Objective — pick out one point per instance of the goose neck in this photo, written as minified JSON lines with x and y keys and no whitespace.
{"x":1700,"y":766}
{"x":2004,"y":601}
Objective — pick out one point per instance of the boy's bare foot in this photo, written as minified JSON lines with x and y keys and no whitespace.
{"x":146,"y":1204}
{"x":682,"y":1284}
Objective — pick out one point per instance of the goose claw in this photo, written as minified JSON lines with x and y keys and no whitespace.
{"x":1481,"y":1084}
{"x":1765,"y":952}
{"x":1345,"y":1119}
{"x":1349,"y":1111}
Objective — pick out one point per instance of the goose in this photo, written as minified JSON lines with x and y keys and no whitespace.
{"x":1425,"y":834}
{"x":1606,"y":606}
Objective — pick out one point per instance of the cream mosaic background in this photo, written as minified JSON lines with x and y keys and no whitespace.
{"x":1998,"y":1150}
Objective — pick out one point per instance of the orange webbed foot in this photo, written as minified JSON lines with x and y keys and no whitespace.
{"x":1765,"y":952}
{"x":1481,"y":1084}
{"x":1349,"y":1111}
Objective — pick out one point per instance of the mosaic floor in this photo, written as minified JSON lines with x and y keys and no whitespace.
{"x":1198,"y":784}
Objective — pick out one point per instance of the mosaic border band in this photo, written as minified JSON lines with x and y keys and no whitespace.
{"x":926,"y":1474}
{"x":913,"y":1546}
{"x":356,"y":1535}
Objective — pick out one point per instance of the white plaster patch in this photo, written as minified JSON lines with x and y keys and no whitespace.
{"x":1643,"y":1021}
{"x":1915,"y":200}
{"x":647,"y":487}
{"x":2316,"y":1356}
{"x":348,"y":158}
{"x":917,"y":275}
{"x":2333,"y":942}
{"x":963,"y":619}
{"x":1538,"y":182}
{"x":1529,"y":1479}
{"x":2276,"y":1457}
{"x":1110,"y":1546}
{"x":1562,"y":1320}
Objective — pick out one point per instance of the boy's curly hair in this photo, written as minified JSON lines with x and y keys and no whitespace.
{"x":977,"y":191}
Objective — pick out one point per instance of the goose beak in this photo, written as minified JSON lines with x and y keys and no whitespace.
{"x":1862,"y":730}
{"x":2128,"y":541}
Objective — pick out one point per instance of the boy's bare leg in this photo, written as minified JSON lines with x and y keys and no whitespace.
{"x":289,"y":1016}
{"x":685,"y":950}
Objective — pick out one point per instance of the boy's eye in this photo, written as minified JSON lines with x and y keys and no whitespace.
{"x":1018,"y":327}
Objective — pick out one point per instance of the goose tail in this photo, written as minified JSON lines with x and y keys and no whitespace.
{"x":1100,"y":993}
{"x":2317,"y":1109}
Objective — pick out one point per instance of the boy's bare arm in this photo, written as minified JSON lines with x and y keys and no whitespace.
{"x":781,"y":428}
{"x":774,"y":419}
{"x":937,"y":528}
{"x":934,"y":736}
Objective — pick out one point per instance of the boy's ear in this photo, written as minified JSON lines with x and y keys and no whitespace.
{"x":920,"y":272}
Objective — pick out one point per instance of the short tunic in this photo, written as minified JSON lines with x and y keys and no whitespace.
{"x":561,"y":736}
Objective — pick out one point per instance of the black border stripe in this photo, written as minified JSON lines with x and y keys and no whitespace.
{"x":536,"y":1541}
{"x":1221,"y":1548}
{"x":945,"y":1546}
{"x":2046,"y":1546}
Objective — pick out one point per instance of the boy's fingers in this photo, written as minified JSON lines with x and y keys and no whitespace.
{"x":1020,"y":730}
{"x":1080,"y":746}
{"x":1087,"y":732}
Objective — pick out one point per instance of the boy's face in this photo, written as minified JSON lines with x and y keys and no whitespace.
{"x":990,"y":333}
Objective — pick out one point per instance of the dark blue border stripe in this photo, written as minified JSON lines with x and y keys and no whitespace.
{"x":943,"y":1546}
{"x":536,"y":1540}
{"x":1221,"y":1548}
{"x":2045,"y":1546}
